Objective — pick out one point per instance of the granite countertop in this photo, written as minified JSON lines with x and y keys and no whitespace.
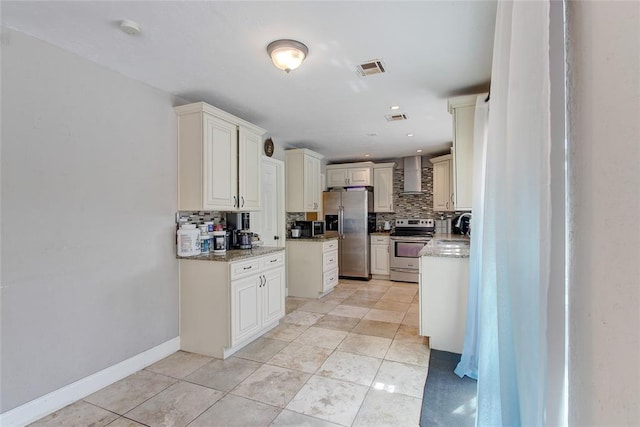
{"x":312,"y":239}
{"x":235,"y":254}
{"x":381,"y":233}
{"x":448,"y":246}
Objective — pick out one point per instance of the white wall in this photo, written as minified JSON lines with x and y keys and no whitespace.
{"x":89,"y":275}
{"x":604,"y":137}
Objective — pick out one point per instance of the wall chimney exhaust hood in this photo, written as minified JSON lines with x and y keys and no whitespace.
{"x":413,"y":175}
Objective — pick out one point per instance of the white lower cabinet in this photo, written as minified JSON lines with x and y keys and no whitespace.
{"x":443,"y":292}
{"x":312,"y":267}
{"x":380,"y":256}
{"x":226,"y":305}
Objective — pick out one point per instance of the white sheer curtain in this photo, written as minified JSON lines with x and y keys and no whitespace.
{"x":469,"y":361}
{"x":516,"y":222}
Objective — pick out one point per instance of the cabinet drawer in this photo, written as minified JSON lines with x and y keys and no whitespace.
{"x":379,"y":240}
{"x":245,"y":268}
{"x":329,"y":261}
{"x":331,"y":245}
{"x":273,"y":260}
{"x":329,"y":280}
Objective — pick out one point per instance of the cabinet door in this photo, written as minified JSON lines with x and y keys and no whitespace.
{"x":249,"y":170}
{"x":359,"y":176}
{"x":463,"y":156}
{"x":220,"y":157}
{"x":245,"y":308}
{"x":442,"y":186}
{"x":272,"y":295}
{"x":383,"y":190}
{"x":380,"y":259}
{"x":337,"y":177}
{"x":311,"y":184}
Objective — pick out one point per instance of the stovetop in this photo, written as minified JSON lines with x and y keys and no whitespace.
{"x":419,"y":227}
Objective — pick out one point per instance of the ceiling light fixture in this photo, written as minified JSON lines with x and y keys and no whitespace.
{"x":409,"y":134}
{"x":287,"y":54}
{"x":129,"y":27}
{"x":395,"y":107}
{"x":419,"y":151}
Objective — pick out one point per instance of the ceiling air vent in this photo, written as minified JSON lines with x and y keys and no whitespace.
{"x":396,"y":117}
{"x":375,"y":66}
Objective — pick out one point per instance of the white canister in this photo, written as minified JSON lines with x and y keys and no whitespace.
{"x":188,"y":240}
{"x":219,"y":243}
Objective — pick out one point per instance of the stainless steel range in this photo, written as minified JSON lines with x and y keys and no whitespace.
{"x":407,"y":240}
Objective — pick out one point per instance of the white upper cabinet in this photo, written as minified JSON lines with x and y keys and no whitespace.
{"x":383,"y":187}
{"x":463,"y":110}
{"x":442,"y":184}
{"x":303,"y":183}
{"x":218,"y":160}
{"x":350,"y":175}
{"x":249,"y":173}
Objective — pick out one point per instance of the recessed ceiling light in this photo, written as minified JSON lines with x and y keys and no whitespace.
{"x":395,"y":107}
{"x":372,"y":134}
{"x":366,"y":155}
{"x":409,"y":134}
{"x":129,"y":27}
{"x":419,"y":151}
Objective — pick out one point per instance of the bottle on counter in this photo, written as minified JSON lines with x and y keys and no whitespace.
{"x":188,"y":240}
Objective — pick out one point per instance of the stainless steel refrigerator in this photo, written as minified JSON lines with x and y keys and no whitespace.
{"x":349,"y":216}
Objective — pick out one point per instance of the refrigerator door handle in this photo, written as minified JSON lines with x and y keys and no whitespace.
{"x":341,"y":222}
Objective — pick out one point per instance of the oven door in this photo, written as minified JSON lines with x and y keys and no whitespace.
{"x":404,"y":252}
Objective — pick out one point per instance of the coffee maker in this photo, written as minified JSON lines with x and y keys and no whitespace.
{"x":238,"y":225}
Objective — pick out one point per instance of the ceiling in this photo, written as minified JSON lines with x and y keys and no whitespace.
{"x":215,"y":51}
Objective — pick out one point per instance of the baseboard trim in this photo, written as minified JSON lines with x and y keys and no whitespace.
{"x":51,"y":402}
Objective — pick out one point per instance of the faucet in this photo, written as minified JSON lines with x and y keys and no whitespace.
{"x":459,"y":222}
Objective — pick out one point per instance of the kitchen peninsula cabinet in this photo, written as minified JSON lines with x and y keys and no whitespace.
{"x":303,"y":183}
{"x":226,"y":305}
{"x":383,"y":187}
{"x":219,"y":160}
{"x":350,"y":175}
{"x":442,"y":184}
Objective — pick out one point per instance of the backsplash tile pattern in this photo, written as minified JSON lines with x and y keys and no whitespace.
{"x":411,"y":205}
{"x":200,"y":217}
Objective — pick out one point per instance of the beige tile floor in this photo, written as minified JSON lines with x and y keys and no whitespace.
{"x":352,"y":358}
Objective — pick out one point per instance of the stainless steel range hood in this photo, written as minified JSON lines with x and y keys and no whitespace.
{"x":413,"y":175}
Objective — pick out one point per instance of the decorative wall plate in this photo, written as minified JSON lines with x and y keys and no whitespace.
{"x":268,"y":147}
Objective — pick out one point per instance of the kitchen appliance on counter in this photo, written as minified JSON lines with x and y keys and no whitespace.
{"x":310,"y":228}
{"x":238,"y":225}
{"x":349,"y":216}
{"x":460,"y":224}
{"x":408,"y":239}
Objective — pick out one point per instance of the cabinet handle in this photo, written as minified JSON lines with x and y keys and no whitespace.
{"x":242,"y":197}
{"x":265,"y":280}
{"x":248,"y":267}
{"x":234,"y":201}
{"x":274,"y":260}
{"x":276,"y":237}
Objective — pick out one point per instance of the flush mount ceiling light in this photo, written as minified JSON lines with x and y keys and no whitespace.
{"x":287,"y":54}
{"x":129,"y":27}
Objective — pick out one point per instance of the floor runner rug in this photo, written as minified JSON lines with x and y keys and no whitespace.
{"x":448,"y":400}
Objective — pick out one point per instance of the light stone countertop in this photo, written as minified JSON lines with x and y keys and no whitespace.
{"x":448,"y":246}
{"x":235,"y":254}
